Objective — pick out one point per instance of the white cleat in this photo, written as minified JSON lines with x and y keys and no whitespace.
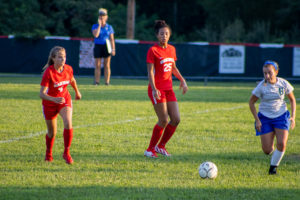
{"x":150,"y":154}
{"x":162,"y":151}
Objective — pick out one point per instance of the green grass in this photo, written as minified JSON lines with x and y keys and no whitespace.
{"x":112,"y":128}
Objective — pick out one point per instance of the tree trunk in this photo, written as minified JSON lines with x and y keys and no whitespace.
{"x":130,"y":19}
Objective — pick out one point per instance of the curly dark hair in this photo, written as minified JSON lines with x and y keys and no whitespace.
{"x":161,"y":24}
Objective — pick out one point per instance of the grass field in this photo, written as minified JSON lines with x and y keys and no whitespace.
{"x":112,"y":128}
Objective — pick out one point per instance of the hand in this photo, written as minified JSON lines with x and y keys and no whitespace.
{"x":156,"y":93}
{"x":59,"y":100}
{"x":113,"y":52}
{"x":292,"y":120}
{"x":99,"y":22}
{"x":183,"y":86}
{"x":258,"y":125}
{"x":78,"y":96}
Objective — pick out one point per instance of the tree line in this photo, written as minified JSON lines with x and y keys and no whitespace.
{"x":251,"y":21}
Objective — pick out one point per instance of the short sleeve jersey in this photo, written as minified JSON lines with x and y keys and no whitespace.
{"x":163,"y":60}
{"x":56,"y":82}
{"x":271,"y":97}
{"x":104,"y":33}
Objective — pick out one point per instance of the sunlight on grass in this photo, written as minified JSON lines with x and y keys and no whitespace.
{"x":112,"y":128}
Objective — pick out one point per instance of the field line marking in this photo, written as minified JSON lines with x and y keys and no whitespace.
{"x":113,"y":123}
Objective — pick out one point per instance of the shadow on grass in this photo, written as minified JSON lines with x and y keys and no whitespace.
{"x":116,"y":157}
{"x":126,"y":192}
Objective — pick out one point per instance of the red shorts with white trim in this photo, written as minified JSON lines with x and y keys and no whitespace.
{"x":51,"y":112}
{"x":166,"y":96}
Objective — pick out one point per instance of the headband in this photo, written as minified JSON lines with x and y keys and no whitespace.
{"x":269,"y":62}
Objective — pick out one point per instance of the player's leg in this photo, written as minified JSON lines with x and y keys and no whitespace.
{"x":50,"y":138}
{"x":107,"y":70}
{"x":66,"y":114}
{"x":162,"y":115}
{"x":97,"y":70}
{"x":281,"y":138}
{"x":267,"y":142}
{"x":173,"y":112}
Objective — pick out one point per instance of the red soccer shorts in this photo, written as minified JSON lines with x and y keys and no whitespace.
{"x":166,"y":96}
{"x":51,"y":112}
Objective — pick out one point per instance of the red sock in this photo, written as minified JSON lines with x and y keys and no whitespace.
{"x":169,"y":131}
{"x":157,"y":132}
{"x":49,"y":144}
{"x":68,"y":136}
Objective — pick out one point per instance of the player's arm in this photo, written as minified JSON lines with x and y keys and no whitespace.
{"x":252,"y":101}
{"x":155,"y":91}
{"x":96,"y":32}
{"x":293,"y":109}
{"x":74,"y":86}
{"x":113,"y":46}
{"x":177,"y":74}
{"x":45,"y":96}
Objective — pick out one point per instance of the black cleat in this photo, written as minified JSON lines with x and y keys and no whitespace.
{"x":272,"y":170}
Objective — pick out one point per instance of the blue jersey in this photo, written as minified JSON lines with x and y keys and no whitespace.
{"x":104,"y":33}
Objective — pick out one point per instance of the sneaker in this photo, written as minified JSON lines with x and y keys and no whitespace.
{"x":48,"y":158}
{"x":68,"y":158}
{"x":150,"y":154}
{"x":272,"y":170}
{"x":96,"y":83}
{"x":162,"y":151}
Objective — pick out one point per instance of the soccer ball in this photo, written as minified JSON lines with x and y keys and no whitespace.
{"x":208,"y":170}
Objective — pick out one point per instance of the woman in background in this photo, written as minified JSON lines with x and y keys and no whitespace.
{"x":104,"y":46}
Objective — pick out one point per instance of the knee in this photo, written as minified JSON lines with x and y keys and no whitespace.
{"x":267,"y":150}
{"x":163,"y":122}
{"x":51,"y":133}
{"x":175,"y":122}
{"x":281,"y":146}
{"x":68,"y":125}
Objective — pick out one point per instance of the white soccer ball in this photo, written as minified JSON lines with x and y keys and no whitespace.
{"x":208,"y":170}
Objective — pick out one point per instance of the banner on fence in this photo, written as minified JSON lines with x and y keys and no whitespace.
{"x":231,"y":59}
{"x":86,"y":58}
{"x":296,"y":61}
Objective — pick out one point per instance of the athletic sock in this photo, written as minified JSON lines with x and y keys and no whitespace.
{"x":157,"y":132}
{"x":68,"y":136}
{"x":169,"y":131}
{"x":49,"y":144}
{"x":276,"y":157}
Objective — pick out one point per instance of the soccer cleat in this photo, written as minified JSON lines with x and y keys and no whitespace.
{"x":272,"y":170}
{"x":68,"y":158}
{"x":162,"y":151}
{"x":48,"y":158}
{"x":150,"y":154}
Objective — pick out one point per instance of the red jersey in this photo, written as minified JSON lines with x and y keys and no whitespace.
{"x":163,"y":60}
{"x":57,"y":83}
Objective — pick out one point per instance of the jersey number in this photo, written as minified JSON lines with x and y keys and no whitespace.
{"x":167,"y":67}
{"x":60,"y":89}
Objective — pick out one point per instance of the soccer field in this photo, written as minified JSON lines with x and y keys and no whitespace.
{"x":112,"y":128}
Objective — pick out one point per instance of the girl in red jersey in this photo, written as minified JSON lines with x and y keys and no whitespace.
{"x":57,"y":99}
{"x":161,"y":65}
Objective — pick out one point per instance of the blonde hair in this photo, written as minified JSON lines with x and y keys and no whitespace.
{"x":52,"y":54}
{"x":102,"y":11}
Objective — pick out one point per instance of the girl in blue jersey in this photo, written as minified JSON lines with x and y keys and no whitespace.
{"x":104,"y":46}
{"x":273,"y":118}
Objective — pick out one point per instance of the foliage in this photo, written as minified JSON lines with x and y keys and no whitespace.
{"x":191,"y":20}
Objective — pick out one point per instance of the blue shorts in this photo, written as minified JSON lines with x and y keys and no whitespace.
{"x":268,"y":124}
